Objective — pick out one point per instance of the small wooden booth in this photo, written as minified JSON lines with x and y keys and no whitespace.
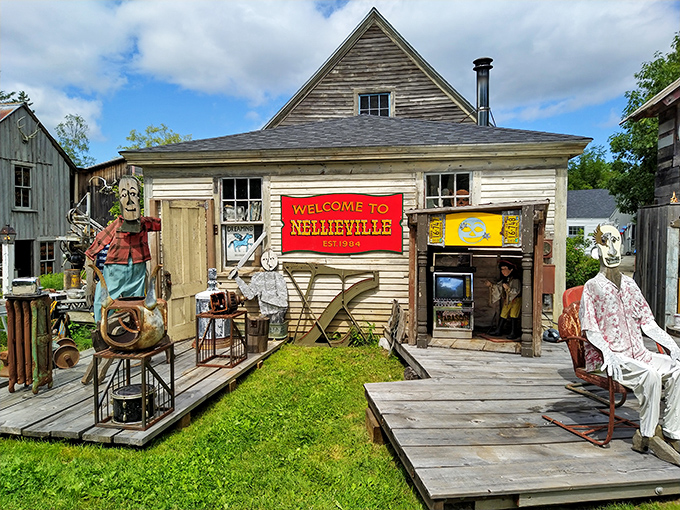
{"x":464,"y":247}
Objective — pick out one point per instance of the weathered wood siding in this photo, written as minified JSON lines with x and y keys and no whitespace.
{"x":45,"y":219}
{"x":498,"y":180}
{"x":376,"y":64}
{"x":668,"y":156}
{"x":657,"y":260}
{"x":374,"y":306}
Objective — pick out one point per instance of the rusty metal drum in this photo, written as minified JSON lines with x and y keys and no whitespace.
{"x":127,"y":403}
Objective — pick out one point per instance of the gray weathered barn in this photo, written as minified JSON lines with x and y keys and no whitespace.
{"x":37,"y":182}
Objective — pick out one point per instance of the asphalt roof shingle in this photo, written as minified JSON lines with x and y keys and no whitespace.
{"x":590,"y":203}
{"x":364,"y":131}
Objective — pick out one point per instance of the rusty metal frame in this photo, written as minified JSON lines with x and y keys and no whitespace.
{"x":124,"y":375}
{"x":206,"y":348}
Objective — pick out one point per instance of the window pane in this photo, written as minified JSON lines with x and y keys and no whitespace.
{"x":255,"y":213}
{"x":255,"y":188}
{"x":432,"y":185}
{"x":242,"y":188}
{"x":50,"y":251}
{"x":27,"y":178}
{"x":363,"y":103}
{"x":228,"y":189}
{"x":374,"y":102}
{"x":17,"y":176}
{"x":463,"y":182}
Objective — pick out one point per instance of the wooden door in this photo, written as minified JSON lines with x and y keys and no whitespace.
{"x":184,"y":235}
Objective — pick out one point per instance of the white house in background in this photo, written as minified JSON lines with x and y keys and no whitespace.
{"x":588,"y":208}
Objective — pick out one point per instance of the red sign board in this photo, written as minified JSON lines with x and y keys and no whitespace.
{"x":342,"y":223}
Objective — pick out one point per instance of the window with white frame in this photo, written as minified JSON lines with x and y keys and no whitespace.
{"x":450,"y":189}
{"x":375,"y":104}
{"x":573,"y":231}
{"x":46,"y":257}
{"x":241,"y":216}
{"x":22,"y":186}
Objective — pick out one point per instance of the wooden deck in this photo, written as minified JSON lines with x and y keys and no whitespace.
{"x":471,"y":434}
{"x":67,"y":409}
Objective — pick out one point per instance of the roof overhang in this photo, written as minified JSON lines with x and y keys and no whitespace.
{"x":661,"y":101}
{"x":149,"y":160}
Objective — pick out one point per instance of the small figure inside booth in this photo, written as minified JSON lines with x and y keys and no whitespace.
{"x":508,"y":290}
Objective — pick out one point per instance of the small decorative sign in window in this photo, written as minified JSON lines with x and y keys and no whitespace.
{"x":342,"y":223}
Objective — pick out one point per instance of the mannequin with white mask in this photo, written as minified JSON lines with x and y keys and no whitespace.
{"x":614,"y":315}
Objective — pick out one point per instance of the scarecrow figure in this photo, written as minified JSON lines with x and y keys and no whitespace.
{"x":124,"y":248}
{"x":269,"y":287}
{"x":508,"y":291}
{"x":613,"y":316}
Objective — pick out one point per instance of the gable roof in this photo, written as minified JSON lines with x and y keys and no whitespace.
{"x":374,"y":18}
{"x":658,"y":103}
{"x":7,"y":109}
{"x":590,"y":203}
{"x":366,"y":136}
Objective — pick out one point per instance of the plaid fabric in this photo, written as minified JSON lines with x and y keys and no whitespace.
{"x":124,"y":245}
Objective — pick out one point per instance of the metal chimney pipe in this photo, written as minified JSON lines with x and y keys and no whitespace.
{"x":482,"y":67}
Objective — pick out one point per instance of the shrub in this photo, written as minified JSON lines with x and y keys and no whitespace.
{"x":52,"y":281}
{"x":580,"y":267}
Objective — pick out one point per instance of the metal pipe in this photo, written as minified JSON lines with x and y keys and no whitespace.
{"x":482,"y":67}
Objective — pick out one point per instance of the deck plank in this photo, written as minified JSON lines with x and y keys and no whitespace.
{"x":471,"y":432}
{"x":67,"y":409}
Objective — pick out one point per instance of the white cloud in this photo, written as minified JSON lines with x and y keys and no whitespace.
{"x":549,"y":57}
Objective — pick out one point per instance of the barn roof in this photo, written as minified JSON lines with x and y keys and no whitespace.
{"x":7,"y":109}
{"x":656,"y":104}
{"x":372,"y":18}
{"x":590,"y":203}
{"x":364,"y":131}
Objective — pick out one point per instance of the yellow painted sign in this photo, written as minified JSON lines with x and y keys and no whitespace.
{"x":511,"y":229}
{"x":474,"y":229}
{"x":436,"y":231}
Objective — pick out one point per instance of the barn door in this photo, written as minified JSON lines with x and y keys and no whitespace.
{"x":184,"y":234}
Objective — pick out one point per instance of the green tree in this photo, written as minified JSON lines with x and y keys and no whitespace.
{"x":580,"y":266}
{"x":590,"y":170}
{"x":152,"y":137}
{"x":635,"y":149}
{"x":15,"y":97}
{"x":72,"y":135}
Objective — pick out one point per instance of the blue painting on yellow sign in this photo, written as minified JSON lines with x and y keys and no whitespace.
{"x":477,"y":229}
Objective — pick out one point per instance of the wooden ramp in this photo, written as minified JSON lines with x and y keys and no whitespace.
{"x":471,"y":435}
{"x":67,"y":409}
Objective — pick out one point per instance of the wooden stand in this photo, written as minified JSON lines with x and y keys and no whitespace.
{"x":156,"y":396}
{"x":236,"y":350}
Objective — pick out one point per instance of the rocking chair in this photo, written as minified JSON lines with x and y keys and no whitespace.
{"x":569,"y":327}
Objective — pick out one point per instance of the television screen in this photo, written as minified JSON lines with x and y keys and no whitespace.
{"x":448,"y":286}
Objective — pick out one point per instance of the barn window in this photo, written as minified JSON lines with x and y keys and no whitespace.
{"x":46,"y":257}
{"x":22,"y":186}
{"x":375,"y":104}
{"x":447,"y":189}
{"x":573,"y":231}
{"x":241,"y":216}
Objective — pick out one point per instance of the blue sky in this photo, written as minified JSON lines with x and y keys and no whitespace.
{"x":217,"y":67}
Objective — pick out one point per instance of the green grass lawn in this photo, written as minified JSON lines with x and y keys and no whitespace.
{"x":292,"y":436}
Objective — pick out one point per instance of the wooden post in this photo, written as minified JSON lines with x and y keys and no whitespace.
{"x":422,"y":303}
{"x":527,"y":290}
{"x":538,"y":282}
